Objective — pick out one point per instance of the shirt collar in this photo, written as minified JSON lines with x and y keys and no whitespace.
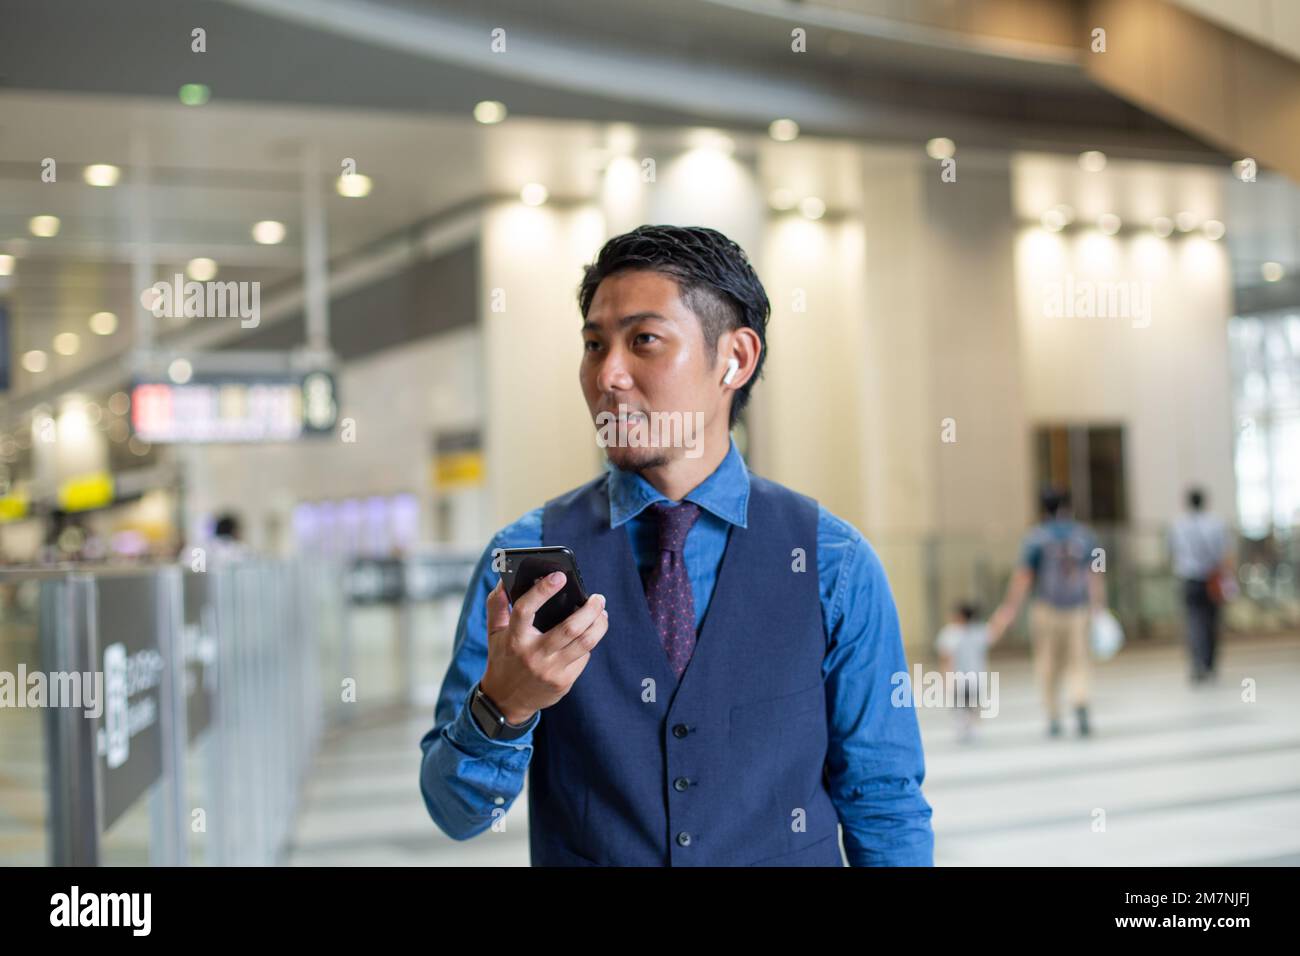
{"x":724,"y":493}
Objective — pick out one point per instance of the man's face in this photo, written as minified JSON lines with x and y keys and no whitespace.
{"x":644,"y":348}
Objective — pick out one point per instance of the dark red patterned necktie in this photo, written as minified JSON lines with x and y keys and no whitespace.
{"x":668,"y":589}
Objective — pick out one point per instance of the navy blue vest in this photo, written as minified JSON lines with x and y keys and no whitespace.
{"x":725,"y":768}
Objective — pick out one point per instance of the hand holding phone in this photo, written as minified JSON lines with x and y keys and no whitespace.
{"x":530,"y":667}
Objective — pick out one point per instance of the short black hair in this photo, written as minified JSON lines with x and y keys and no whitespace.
{"x":227,"y":526}
{"x":1195,"y":498}
{"x":714,"y":276}
{"x":966,"y":610}
{"x":1053,"y":500}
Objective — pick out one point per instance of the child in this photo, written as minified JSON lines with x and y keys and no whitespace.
{"x":963,"y":648}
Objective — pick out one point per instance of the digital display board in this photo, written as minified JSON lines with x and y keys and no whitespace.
{"x":235,"y":410}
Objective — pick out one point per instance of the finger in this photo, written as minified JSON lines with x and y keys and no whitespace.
{"x":570,"y":631}
{"x":543,"y":589}
{"x":498,"y":608}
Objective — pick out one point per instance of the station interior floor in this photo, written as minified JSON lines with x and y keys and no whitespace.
{"x":1186,"y":775}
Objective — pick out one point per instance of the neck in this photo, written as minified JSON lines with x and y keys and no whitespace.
{"x":679,"y":477}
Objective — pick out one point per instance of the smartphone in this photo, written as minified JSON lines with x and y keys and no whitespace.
{"x":523,"y":568}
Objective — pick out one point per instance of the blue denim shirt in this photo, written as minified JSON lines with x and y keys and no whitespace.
{"x":875,"y":764}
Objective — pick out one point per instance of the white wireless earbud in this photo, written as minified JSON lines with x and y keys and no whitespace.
{"x":733,"y":366}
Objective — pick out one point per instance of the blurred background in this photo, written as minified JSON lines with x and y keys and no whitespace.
{"x":243,"y":503}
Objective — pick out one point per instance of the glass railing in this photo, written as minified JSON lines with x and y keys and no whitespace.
{"x":180,"y":712}
{"x":931,"y":574}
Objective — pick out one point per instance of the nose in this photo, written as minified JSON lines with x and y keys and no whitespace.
{"x":612,"y":374}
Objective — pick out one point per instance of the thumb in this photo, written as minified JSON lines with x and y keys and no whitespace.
{"x":498,"y":609}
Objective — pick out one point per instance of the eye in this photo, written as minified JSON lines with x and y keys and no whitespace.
{"x":647,"y":335}
{"x":587,"y":343}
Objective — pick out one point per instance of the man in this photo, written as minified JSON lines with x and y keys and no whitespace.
{"x":1198,"y":548}
{"x":724,"y":697}
{"x":1056,"y":563}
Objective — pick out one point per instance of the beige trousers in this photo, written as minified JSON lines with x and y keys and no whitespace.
{"x":1060,"y":646}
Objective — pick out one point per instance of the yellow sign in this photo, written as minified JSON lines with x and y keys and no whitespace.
{"x":86,"y":492}
{"x":462,"y":469}
{"x":13,"y":507}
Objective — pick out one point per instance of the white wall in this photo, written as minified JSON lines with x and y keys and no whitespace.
{"x":1166,"y":382}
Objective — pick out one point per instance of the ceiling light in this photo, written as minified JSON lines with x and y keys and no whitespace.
{"x":489,"y":111}
{"x":67,"y":343}
{"x":101,"y":174}
{"x":1272,"y":271}
{"x":201,"y":269}
{"x":783,"y":130}
{"x":1093,"y":160}
{"x":6,"y":265}
{"x":44,"y":227}
{"x":941,"y":147}
{"x":180,"y":371}
{"x":533,"y":194}
{"x":1162,"y":226}
{"x":1213,"y":229}
{"x":103,"y":323}
{"x":1109,"y":223}
{"x":35,"y":361}
{"x":353,"y":185}
{"x":812,"y":207}
{"x":1185,"y":221}
{"x":268,"y":232}
{"x":1052,"y":220}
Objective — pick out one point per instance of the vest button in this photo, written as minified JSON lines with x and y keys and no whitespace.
{"x":683,"y":839}
{"x":681,"y":730}
{"x":681,"y":783}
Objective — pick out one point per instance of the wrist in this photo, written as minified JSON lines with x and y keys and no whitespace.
{"x":513,"y":715}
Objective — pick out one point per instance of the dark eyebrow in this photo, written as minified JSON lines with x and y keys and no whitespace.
{"x":625,"y":321}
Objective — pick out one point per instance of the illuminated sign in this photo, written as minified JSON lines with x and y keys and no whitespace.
{"x":235,"y":410}
{"x":86,"y":492}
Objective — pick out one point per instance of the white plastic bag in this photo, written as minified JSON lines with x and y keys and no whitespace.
{"x":1106,"y":636}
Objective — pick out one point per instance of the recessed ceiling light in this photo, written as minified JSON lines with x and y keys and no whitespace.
{"x":1053,"y":220}
{"x":45,"y":227}
{"x":67,"y":343}
{"x":1109,"y":223}
{"x":101,"y":174}
{"x":1185,"y":221}
{"x":783,"y":130}
{"x":1093,"y":160}
{"x":1162,"y":226}
{"x":268,"y":232}
{"x":812,"y":207}
{"x":353,"y":185}
{"x":35,"y":360}
{"x":103,"y":323}
{"x":941,"y":147}
{"x":180,"y":371}
{"x":201,"y":269}
{"x":1213,"y":229}
{"x":1272,"y":271}
{"x":533,"y":194}
{"x":489,"y":111}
